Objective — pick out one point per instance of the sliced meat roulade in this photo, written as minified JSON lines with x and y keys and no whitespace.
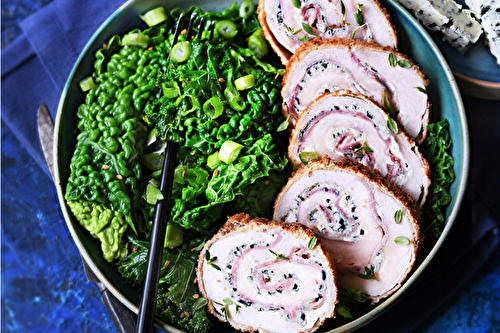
{"x":342,"y":124}
{"x":388,"y":77}
{"x":369,"y":225}
{"x":287,"y":24}
{"x":261,"y":275}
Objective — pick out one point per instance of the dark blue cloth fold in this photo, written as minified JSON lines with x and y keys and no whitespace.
{"x":36,"y":65}
{"x":34,"y":70}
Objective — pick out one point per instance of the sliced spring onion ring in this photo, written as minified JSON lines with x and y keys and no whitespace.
{"x":245,"y":82}
{"x":229,"y":151}
{"x":247,"y":8}
{"x":226,"y":29}
{"x":152,"y":136}
{"x":308,"y":156}
{"x":154,"y":16}
{"x":152,"y":161}
{"x":181,"y":52}
{"x":195,"y":104}
{"x":173,"y":236}
{"x":138,"y":40}
{"x":171,"y":89}
{"x":234,"y":99}
{"x":87,"y":84}
{"x":258,"y":44}
{"x":152,"y":194}
{"x":213,"y":160}
{"x":213,"y":107}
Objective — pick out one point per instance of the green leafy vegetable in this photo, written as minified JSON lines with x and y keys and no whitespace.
{"x":436,"y":149}
{"x":104,"y":224}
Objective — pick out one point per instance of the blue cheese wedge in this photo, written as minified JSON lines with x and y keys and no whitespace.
{"x":458,"y":26}
{"x":488,"y":14}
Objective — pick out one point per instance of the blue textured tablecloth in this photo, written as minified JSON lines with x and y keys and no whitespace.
{"x":44,"y":288}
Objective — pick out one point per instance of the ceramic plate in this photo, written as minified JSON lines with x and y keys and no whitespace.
{"x":414,"y":41}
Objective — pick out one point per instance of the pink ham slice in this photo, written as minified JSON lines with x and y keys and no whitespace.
{"x":342,"y":124}
{"x":321,"y":66}
{"x":356,"y":213}
{"x":261,"y":275}
{"x":283,"y":23}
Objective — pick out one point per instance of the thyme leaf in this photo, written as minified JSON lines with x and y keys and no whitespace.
{"x":392,"y":125}
{"x":296,"y":3}
{"x":422,"y":90}
{"x":284,"y":125}
{"x":308,"y":29}
{"x":358,"y":15}
{"x":312,"y":243}
{"x":401,"y":240}
{"x":398,"y":215}
{"x":403,"y":63}
{"x":364,"y":149}
{"x":392,"y":60}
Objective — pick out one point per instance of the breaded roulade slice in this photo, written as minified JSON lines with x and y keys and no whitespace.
{"x":388,"y":77}
{"x":287,"y":24}
{"x":342,"y":124}
{"x":369,"y":225}
{"x":261,"y":275}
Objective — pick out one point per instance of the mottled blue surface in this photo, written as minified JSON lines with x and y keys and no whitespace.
{"x":44,"y":288}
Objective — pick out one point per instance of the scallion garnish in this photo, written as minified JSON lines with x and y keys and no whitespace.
{"x":247,"y":8}
{"x":226,"y":29}
{"x":234,"y":99}
{"x":154,"y":16}
{"x":258,"y":44}
{"x":171,"y":89}
{"x":229,"y":151}
{"x":133,"y":39}
{"x":245,"y":82}
{"x":213,"y":160}
{"x":152,"y":194}
{"x":181,"y":52}
{"x":87,"y":84}
{"x":213,"y":107}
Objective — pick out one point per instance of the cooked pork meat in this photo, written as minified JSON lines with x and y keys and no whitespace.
{"x":388,"y":77}
{"x":369,"y":225}
{"x":342,"y":124}
{"x":265,"y":276}
{"x":287,"y":24}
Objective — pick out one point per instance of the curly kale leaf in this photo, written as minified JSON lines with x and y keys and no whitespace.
{"x":103,"y":224}
{"x":437,"y":151}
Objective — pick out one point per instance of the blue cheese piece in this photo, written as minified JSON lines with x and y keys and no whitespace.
{"x":488,"y":14}
{"x":458,"y":26}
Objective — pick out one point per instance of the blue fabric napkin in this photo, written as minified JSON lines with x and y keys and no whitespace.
{"x":34,"y":70}
{"x":36,"y":65}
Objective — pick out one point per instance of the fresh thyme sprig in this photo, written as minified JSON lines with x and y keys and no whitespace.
{"x":278,"y":256}
{"x":369,"y":274}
